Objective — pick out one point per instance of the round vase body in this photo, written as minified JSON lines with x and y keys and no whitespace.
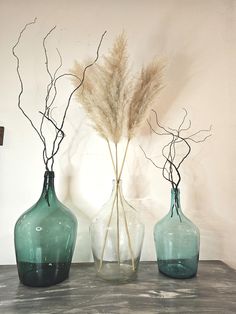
{"x":177,"y":242}
{"x":45,"y":237}
{"x":117,"y":238}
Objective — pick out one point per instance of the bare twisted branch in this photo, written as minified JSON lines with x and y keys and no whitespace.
{"x":170,"y":168}
{"x":51,"y":94}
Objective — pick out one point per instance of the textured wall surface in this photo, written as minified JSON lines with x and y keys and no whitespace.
{"x":197,"y":38}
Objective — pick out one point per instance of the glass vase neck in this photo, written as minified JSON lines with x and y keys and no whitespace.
{"x":175,"y":206}
{"x":48,"y":187}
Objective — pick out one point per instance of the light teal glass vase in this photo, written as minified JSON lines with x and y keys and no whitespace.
{"x":45,"y":237}
{"x":177,"y":242}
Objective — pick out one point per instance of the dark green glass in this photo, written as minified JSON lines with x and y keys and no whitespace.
{"x":177,"y":242}
{"x":45,"y":237}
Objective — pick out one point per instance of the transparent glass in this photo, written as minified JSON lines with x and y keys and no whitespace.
{"x":45,"y":237}
{"x":117,"y":238}
{"x":177,"y":242}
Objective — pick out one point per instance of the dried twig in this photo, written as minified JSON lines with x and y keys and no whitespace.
{"x":51,"y":93}
{"x":171,"y":166}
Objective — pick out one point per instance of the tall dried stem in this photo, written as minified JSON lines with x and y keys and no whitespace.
{"x":127,"y":232}
{"x":124,"y":159}
{"x":106,"y":235}
{"x":117,"y":208}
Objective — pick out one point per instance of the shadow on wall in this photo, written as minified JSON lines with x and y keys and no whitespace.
{"x":202,"y":212}
{"x":178,"y":74}
{"x":82,"y":249}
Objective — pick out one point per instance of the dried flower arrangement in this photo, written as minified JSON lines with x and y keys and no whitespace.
{"x":118,"y":104}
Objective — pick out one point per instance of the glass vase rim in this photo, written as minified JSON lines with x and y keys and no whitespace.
{"x":174,"y":190}
{"x":49,"y":173}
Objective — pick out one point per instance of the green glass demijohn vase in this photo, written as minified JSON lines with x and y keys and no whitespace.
{"x":116,"y":238}
{"x":45,"y":237}
{"x":177,"y":242}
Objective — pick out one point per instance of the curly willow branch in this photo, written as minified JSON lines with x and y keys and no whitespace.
{"x":50,"y":97}
{"x":19,"y":76}
{"x":170,"y":168}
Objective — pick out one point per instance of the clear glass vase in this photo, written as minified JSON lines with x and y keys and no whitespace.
{"x":177,"y":242}
{"x":45,"y":237}
{"x":117,"y":238}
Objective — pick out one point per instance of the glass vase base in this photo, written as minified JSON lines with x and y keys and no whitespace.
{"x":178,"y":268}
{"x":42,"y":274}
{"x":117,"y":273}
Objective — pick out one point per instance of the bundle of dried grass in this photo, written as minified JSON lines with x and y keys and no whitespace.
{"x":116,"y":103}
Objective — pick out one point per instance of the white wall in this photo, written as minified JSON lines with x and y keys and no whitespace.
{"x":197,"y":37}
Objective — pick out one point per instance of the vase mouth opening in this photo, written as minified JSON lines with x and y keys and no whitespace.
{"x":49,"y":174}
{"x":175,"y":190}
